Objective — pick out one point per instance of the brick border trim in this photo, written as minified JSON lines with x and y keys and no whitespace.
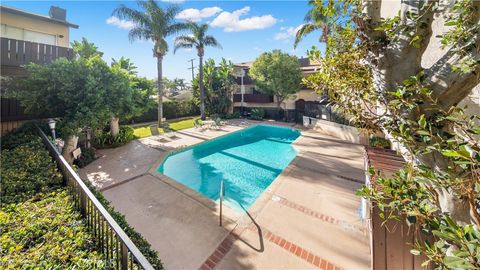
{"x":296,"y":250}
{"x":222,"y":250}
{"x":318,"y":215}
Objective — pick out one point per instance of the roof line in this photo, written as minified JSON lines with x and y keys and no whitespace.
{"x":36,"y":16}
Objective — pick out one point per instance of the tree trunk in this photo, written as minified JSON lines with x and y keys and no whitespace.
{"x":70,"y":145}
{"x":160,"y":90}
{"x":202,"y":89}
{"x":114,"y":127}
{"x":279,"y":103}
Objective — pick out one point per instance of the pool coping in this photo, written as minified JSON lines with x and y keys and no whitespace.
{"x":242,"y":219}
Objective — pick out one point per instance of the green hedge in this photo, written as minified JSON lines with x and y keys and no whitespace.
{"x":172,"y":109}
{"x":46,"y":232}
{"x":142,"y":244}
{"x":26,"y":167}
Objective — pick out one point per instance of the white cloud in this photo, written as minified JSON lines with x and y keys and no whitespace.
{"x":196,"y":15}
{"x":124,"y":24}
{"x":287,"y":32}
{"x":231,"y":22}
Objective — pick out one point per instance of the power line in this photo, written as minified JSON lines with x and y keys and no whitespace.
{"x":192,"y":68}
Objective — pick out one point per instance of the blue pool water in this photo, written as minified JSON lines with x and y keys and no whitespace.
{"x":247,"y":160}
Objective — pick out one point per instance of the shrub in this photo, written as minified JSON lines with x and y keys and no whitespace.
{"x":46,"y":232}
{"x":171,"y":109}
{"x":150,"y":254}
{"x":27,"y":169}
{"x":87,"y":157}
{"x":233,"y":115}
{"x":107,"y":140}
{"x":257,"y":114}
{"x":22,"y":135}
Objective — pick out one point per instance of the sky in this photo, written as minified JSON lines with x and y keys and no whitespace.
{"x":245,"y":29}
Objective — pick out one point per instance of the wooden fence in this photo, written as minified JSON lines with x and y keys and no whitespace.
{"x":391,"y":242}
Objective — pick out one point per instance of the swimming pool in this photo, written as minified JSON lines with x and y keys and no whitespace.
{"x":247,"y":160}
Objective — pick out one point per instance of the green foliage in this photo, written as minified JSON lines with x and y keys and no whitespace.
{"x":124,"y":63}
{"x":379,"y":142}
{"x":233,"y":115}
{"x":46,"y":232}
{"x":278,"y":74}
{"x":219,"y":84}
{"x":26,"y":166}
{"x":107,"y":140}
{"x":142,"y":244}
{"x":439,"y":142}
{"x":85,"y":49}
{"x":25,"y":134}
{"x":87,"y":157}
{"x":83,"y":93}
{"x":257,"y":114}
{"x":74,"y":90}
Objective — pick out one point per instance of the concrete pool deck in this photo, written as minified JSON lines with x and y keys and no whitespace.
{"x":307,"y":219}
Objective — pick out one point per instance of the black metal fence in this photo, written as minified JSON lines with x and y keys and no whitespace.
{"x":319,"y":111}
{"x":120,"y":252}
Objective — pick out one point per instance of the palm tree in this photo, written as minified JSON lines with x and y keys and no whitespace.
{"x":200,"y":40}
{"x":314,"y":20}
{"x":152,"y":23}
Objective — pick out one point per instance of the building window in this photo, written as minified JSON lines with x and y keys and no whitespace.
{"x":28,"y":35}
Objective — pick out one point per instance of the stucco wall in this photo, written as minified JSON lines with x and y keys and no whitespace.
{"x":38,"y":26}
{"x":343,"y":132}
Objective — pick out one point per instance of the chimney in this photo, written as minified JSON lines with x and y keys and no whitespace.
{"x":57,"y":13}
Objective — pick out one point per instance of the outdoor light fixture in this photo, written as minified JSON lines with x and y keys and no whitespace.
{"x":51,"y":124}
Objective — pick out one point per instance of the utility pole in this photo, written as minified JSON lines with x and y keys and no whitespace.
{"x":192,"y":68}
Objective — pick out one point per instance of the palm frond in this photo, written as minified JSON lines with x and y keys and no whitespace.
{"x":182,"y":46}
{"x":139,"y":33}
{"x":212,"y":42}
{"x":125,"y":13}
{"x":177,"y":28}
{"x":303,"y":31}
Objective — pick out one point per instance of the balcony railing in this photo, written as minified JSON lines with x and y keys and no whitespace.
{"x":19,"y":52}
{"x":120,"y":252}
{"x":254,"y":98}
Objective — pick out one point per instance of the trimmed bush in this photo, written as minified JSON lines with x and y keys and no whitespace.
{"x":171,"y":109}
{"x":46,"y":232}
{"x":27,"y":169}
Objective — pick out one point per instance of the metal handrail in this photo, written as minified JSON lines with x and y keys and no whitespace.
{"x":113,"y":242}
{"x":221,"y":200}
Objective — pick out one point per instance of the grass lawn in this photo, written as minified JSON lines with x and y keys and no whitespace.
{"x":182,"y":124}
{"x":175,"y":125}
{"x":142,"y":132}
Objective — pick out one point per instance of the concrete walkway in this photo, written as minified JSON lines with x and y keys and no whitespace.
{"x":307,"y":219}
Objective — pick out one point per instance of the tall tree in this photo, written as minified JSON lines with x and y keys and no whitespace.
{"x":198,"y":39}
{"x":153,"y":23}
{"x":374,"y":70}
{"x":278,"y":74}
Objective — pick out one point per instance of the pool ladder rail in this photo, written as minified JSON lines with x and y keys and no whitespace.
{"x":222,"y":192}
